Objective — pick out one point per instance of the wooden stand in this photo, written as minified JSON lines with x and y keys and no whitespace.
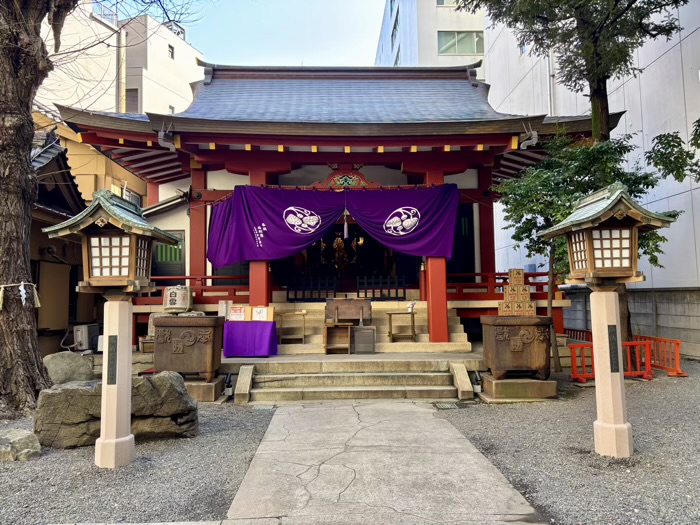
{"x":411,"y":335}
{"x":297,"y":336}
{"x":337,"y":336}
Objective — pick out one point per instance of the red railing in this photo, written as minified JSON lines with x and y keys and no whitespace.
{"x":665,"y":354}
{"x":582,"y":365}
{"x":579,"y":335}
{"x":203,"y":293}
{"x":489,"y":286}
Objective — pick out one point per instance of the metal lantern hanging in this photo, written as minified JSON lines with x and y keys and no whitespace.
{"x":602,"y":236}
{"x":117,"y":243}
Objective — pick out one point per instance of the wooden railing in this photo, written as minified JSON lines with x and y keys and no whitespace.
{"x":312,"y":289}
{"x":378,"y":288}
{"x":489,"y":286}
{"x":204,"y":293}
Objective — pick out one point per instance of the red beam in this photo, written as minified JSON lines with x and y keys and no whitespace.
{"x":274,"y":140}
{"x":198,"y":228}
{"x":436,"y":275}
{"x":152,"y":193}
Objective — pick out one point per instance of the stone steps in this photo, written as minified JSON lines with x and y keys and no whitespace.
{"x":275,"y":395}
{"x":277,"y":381}
{"x":409,"y":346}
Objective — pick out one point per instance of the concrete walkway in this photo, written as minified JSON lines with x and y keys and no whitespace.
{"x":373,"y":462}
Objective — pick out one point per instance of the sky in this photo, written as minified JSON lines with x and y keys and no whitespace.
{"x":287,"y":32}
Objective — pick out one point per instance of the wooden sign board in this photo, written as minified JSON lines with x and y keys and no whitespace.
{"x":239,"y":313}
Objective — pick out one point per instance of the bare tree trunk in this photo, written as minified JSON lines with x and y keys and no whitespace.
{"x":550,"y":300}
{"x":23,"y":66}
{"x":600,"y":110}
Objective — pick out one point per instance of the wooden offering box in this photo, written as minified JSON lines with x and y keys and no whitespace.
{"x":516,"y":344}
{"x":189,"y":345}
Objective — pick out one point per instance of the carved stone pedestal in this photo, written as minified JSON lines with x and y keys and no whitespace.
{"x":517,"y":344}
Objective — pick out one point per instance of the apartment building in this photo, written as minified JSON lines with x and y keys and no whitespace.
{"x":429,"y":33}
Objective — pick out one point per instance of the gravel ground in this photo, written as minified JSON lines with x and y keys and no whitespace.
{"x":545,"y":451}
{"x":171,"y":480}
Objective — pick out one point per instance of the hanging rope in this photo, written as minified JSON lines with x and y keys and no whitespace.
{"x":22,"y":293}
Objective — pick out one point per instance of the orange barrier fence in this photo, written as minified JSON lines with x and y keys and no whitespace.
{"x":637,"y":355}
{"x":665,"y":354}
{"x":579,"y":335}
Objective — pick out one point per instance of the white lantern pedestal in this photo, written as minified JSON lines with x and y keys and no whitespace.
{"x":115,"y":447}
{"x":612,"y":431}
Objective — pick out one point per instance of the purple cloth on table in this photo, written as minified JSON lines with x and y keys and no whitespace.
{"x":261,"y":224}
{"x":250,"y":338}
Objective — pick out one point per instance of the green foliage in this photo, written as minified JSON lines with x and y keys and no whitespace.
{"x":548,"y":191}
{"x":670,"y":156}
{"x":593,"y":40}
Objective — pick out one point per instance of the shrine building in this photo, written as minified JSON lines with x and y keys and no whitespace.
{"x":376,"y":183}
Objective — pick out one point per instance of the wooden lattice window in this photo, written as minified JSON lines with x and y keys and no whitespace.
{"x":578,"y":251}
{"x":612,"y":247}
{"x":109,"y":256}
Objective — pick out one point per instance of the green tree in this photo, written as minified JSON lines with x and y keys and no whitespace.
{"x":593,"y":40}
{"x":547,"y":192}
{"x":24,"y":64}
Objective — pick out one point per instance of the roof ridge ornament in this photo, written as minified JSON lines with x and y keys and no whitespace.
{"x":531,"y":137}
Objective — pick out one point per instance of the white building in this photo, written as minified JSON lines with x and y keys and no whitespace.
{"x":160,"y":66}
{"x":664,"y":98}
{"x":429,"y":33}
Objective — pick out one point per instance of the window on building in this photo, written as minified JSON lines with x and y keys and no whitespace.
{"x":395,"y":30}
{"x":397,"y":60}
{"x":171,"y":52}
{"x":126,"y":194}
{"x":447,"y":2}
{"x":523,"y":50}
{"x":171,"y":109}
{"x":132,"y":100}
{"x":460,"y":42}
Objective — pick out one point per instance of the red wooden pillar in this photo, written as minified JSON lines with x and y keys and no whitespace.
{"x":436,"y":282}
{"x":260,"y":282}
{"x":486,"y":226}
{"x":152,"y":193}
{"x":198,"y":227}
{"x":436,"y":274}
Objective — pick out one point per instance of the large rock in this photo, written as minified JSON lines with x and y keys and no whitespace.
{"x":65,"y":367}
{"x":68,"y":415}
{"x":18,"y":445}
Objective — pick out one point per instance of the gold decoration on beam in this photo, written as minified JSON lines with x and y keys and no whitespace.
{"x":514,"y":142}
{"x":479,"y":147}
{"x":280,"y":148}
{"x":178,"y":142}
{"x":212,"y":145}
{"x":314,"y":149}
{"x":446,"y":148}
{"x":121,"y":141}
{"x":347,"y":149}
{"x":195,"y":165}
{"x":149,"y":143}
{"x":414,"y":149}
{"x":380,"y":149}
{"x":248,"y":147}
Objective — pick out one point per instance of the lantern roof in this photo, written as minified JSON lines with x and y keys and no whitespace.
{"x":611,"y":201}
{"x":107,"y":208}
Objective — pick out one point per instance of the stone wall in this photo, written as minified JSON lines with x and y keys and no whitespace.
{"x":672,"y":314}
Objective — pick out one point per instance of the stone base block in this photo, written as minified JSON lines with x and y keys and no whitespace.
{"x":205,"y":392}
{"x":515,"y":390}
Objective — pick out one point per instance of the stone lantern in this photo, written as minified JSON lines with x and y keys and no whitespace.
{"x":602,"y":237}
{"x":117,"y":243}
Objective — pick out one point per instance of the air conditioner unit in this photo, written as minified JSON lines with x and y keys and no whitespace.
{"x":85,"y":336}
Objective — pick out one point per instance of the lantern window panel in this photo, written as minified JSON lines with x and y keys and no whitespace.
{"x":579,"y":257}
{"x":611,"y":248}
{"x":109,"y":256}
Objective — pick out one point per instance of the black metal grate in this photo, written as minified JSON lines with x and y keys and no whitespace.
{"x":312,"y":289}
{"x":381,"y":288}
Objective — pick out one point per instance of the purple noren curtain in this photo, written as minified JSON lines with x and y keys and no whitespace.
{"x":272,"y":223}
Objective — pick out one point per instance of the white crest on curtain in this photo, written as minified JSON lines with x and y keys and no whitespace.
{"x":402,"y":221}
{"x":301,"y":220}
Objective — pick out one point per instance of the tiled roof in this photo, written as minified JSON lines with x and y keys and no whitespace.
{"x":121,"y":209}
{"x":599,"y":203}
{"x":362,"y":100}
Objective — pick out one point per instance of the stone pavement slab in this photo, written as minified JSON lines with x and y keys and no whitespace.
{"x":371,"y":462}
